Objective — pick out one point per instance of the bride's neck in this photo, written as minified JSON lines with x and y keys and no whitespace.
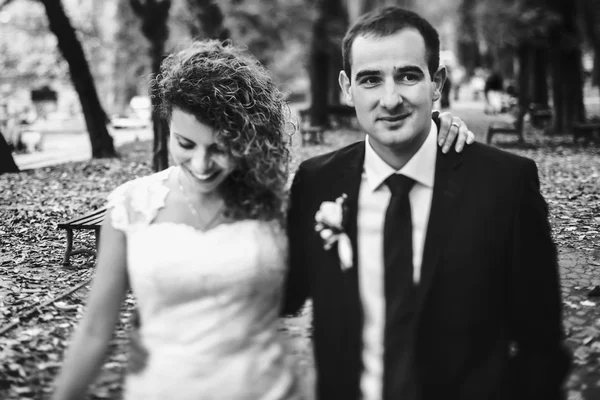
{"x":197,"y":196}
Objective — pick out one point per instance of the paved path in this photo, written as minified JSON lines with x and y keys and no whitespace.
{"x":579,"y":269}
{"x":59,"y":148}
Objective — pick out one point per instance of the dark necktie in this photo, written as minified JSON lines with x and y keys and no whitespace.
{"x":398,"y":360}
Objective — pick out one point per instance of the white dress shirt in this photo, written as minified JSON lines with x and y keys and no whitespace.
{"x":373,"y":200}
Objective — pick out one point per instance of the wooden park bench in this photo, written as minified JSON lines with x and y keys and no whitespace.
{"x":311,"y":134}
{"x":342,"y":115}
{"x":586,"y":130}
{"x":338,"y":115}
{"x":89,"y":221}
{"x":504,"y":126}
{"x":540,"y":115}
{"x":539,"y":118}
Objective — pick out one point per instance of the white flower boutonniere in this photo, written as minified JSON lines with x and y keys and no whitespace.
{"x":331,"y":220}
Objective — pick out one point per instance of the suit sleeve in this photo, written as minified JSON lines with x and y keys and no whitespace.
{"x":296,"y":286}
{"x":541,"y":362}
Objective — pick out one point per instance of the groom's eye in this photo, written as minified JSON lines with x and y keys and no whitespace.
{"x":369,"y":81}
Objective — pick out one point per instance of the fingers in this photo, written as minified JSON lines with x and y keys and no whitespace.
{"x":453,"y":132}
{"x":462,"y":138}
{"x":470,"y":137}
{"x":138,"y":354}
{"x":445,"y":121}
{"x":134,"y":319}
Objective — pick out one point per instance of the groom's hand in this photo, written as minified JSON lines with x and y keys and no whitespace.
{"x":138,"y":354}
{"x":452,"y":128}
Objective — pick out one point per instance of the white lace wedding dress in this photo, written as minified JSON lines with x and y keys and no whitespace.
{"x":208,"y":302}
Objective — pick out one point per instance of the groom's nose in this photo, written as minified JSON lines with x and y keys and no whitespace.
{"x":391,"y":97}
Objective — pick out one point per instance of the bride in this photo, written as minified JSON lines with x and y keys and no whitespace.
{"x":201,"y":244}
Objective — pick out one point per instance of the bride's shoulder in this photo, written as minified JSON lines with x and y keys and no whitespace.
{"x":142,"y":196}
{"x":142,"y":184}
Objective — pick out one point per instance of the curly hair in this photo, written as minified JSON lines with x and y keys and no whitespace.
{"x":228,"y":89}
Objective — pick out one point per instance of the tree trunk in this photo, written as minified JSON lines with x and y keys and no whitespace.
{"x":337,"y":24}
{"x":524,"y":52}
{"x":325,"y":60}
{"x":539,"y":77}
{"x":160,"y":127}
{"x":505,"y":58}
{"x":319,"y":62}
{"x":591,"y":18}
{"x":154,"y":15}
{"x":356,"y":8}
{"x":468,"y":46}
{"x":567,"y":74}
{"x":208,"y":20}
{"x":70,"y":47}
{"x":7,"y":163}
{"x":130,"y":59}
{"x":567,"y":90}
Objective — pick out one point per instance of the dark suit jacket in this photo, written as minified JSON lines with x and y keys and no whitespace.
{"x":489,"y":308}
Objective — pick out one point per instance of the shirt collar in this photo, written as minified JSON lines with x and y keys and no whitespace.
{"x":421,"y":166}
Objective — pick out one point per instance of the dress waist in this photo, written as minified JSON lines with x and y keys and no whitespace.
{"x":256,"y":370}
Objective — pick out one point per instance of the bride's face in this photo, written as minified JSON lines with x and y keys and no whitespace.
{"x":194,"y":149}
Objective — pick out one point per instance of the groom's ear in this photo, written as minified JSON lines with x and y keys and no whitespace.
{"x":345,"y":84}
{"x":439,"y":78}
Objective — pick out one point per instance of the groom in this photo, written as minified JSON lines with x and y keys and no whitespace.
{"x":448,"y":285}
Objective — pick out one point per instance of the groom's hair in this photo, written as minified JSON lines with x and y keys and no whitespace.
{"x":387,"y":21}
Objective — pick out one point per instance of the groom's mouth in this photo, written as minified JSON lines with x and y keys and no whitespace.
{"x":393,"y":118}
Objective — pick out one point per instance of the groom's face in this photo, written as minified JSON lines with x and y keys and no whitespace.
{"x":392,"y":90}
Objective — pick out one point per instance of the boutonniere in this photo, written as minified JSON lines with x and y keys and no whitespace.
{"x":331,"y":220}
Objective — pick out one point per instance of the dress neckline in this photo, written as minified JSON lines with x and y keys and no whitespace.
{"x":163,"y":178}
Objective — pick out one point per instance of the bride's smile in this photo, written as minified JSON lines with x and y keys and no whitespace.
{"x":195,"y":150}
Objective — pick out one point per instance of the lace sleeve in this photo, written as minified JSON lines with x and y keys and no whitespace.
{"x":135,"y":204}
{"x":117,"y":208}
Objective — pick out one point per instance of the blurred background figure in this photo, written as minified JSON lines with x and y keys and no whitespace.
{"x":493,"y":91}
{"x":478,"y":83}
{"x":457,"y":74}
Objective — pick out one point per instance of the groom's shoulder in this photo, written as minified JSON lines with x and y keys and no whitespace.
{"x":332,"y":160}
{"x":491,"y":160}
{"x":479,"y":152}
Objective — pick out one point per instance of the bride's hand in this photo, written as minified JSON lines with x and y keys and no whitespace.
{"x":451,"y":129}
{"x":138,"y":354}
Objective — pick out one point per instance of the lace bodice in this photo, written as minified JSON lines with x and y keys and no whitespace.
{"x":208,"y":301}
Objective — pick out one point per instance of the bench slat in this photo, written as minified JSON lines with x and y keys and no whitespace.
{"x":86,"y":216}
{"x":89,"y":219}
{"x":84,"y":220}
{"x":97,"y":221}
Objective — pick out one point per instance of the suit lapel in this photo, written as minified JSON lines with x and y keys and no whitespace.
{"x":348,"y":181}
{"x":449,"y":177}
